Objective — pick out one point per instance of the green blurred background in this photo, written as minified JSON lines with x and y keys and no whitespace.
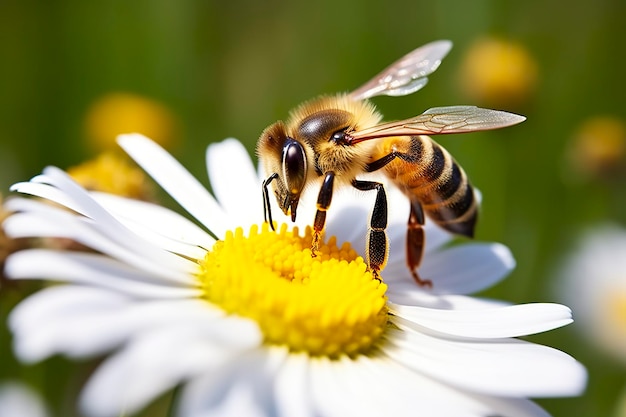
{"x":229,"y":68}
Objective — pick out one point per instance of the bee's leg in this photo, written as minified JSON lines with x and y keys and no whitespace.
{"x":377,"y":246}
{"x":415,"y":242}
{"x":267,"y":210}
{"x":324,"y":198}
{"x":415,"y":232}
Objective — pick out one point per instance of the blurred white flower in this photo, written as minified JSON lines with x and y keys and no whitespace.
{"x":593,"y":282}
{"x":19,"y":400}
{"x":251,"y":324}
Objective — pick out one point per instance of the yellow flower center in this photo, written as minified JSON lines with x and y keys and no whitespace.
{"x":328,"y":305}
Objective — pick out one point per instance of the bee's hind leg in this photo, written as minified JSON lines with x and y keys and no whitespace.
{"x":415,"y":243}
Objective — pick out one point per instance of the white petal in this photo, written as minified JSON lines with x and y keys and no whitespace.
{"x":99,"y":219}
{"x":163,"y":221}
{"x":207,"y":397}
{"x":54,"y":321}
{"x":177,"y":181}
{"x":235,"y":182}
{"x":436,"y":237}
{"x":333,"y":386}
{"x":502,"y":367}
{"x":349,"y":225}
{"x":512,"y":407}
{"x":292,"y":390}
{"x":82,"y":321}
{"x":399,"y":206}
{"x":154,"y":221}
{"x":341,"y":388}
{"x":409,"y":294}
{"x":45,"y":191}
{"x":346,"y":387}
{"x":43,"y":220}
{"x":436,"y":399}
{"x":475,"y":266}
{"x":157,"y":361}
{"x":499,"y":322}
{"x":92,"y":269}
{"x":243,"y":388}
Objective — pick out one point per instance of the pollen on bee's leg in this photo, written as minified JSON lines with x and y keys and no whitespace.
{"x":318,"y":229}
{"x":315,"y":243}
{"x":376,"y":275}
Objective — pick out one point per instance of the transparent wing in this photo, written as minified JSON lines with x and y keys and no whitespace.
{"x":407,"y":75}
{"x":440,"y":121}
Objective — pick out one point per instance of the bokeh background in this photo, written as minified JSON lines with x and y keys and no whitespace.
{"x":74,"y":73}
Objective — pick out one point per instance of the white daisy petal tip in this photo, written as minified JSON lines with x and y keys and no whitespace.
{"x":485,"y":322}
{"x":41,"y":179}
{"x":505,"y":255}
{"x":227,"y":145}
{"x":177,"y":181}
{"x":230,"y":168}
{"x":126,"y":138}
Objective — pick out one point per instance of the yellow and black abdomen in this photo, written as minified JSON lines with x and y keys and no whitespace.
{"x":428,"y":174}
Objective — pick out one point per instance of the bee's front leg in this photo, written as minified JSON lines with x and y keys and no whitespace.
{"x":377,"y":246}
{"x":267,"y":209}
{"x":324,"y":199}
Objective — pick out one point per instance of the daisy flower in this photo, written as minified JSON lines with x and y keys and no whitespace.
{"x":249,"y":324}
{"x":17,"y":399}
{"x":593,"y":281}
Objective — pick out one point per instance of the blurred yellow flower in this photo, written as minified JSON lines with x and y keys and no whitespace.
{"x":598,"y":147}
{"x":118,"y":113}
{"x":113,"y":173}
{"x":498,"y":73}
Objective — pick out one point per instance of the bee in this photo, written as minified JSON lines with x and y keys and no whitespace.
{"x":331,"y":140}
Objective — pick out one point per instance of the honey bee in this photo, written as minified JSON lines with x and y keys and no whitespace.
{"x":329,"y":141}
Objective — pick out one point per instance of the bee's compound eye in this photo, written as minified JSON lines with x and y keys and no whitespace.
{"x":294,"y":166}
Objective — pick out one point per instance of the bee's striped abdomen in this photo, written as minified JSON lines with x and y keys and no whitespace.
{"x":426,"y":172}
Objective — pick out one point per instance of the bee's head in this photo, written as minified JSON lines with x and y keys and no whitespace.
{"x":285,"y":161}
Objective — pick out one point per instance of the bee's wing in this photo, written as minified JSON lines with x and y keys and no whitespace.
{"x":407,"y":75}
{"x":439,"y":121}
